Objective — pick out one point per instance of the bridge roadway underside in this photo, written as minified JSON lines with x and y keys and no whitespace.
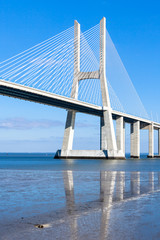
{"x":39,"y":96}
{"x":35,"y":95}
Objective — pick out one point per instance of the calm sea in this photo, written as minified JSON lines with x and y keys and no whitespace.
{"x":46,"y":161}
{"x":75,"y":194}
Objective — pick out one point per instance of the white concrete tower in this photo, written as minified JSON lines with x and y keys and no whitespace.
{"x":108,"y":145}
{"x":108,"y":139}
{"x":70,"y":122}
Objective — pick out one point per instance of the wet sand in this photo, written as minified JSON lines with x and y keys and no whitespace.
{"x":102,"y":205}
{"x":133,"y":219}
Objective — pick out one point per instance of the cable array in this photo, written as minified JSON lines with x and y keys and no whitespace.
{"x":45,"y":66}
{"x":120,"y":81}
{"x":49,"y":66}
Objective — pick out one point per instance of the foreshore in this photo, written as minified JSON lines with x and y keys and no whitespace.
{"x":86,"y":205}
{"x":123,"y":220}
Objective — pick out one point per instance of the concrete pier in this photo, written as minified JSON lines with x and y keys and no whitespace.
{"x":69,"y":132}
{"x":151,"y":141}
{"x":120,"y":131}
{"x":124,"y":137}
{"x":158,"y":142}
{"x":135,"y":139}
{"x":131,"y":140}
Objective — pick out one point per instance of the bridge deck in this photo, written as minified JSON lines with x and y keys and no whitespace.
{"x":35,"y":95}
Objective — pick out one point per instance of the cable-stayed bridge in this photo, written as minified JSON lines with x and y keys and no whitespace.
{"x":81,"y":72}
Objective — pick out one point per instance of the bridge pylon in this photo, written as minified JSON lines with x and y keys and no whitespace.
{"x":108,"y":145}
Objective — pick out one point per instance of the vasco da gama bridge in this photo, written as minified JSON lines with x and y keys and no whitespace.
{"x":82,"y":72}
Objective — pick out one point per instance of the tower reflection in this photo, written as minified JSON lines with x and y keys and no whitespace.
{"x":115,"y":187}
{"x":151,"y":181}
{"x":135,"y":183}
{"x":70,"y":203}
{"x":120,"y":185}
{"x":107,"y":190}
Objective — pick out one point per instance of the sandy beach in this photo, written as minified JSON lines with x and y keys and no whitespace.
{"x":67,"y":205}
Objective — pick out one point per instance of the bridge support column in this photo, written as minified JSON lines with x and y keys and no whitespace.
{"x":69,"y":133}
{"x":135,"y":139}
{"x":151,"y":141}
{"x":103,"y":142}
{"x":108,"y":140}
{"x":158,"y":142}
{"x":120,"y":131}
{"x":124,"y":137}
{"x":70,"y":122}
{"x":131,"y":140}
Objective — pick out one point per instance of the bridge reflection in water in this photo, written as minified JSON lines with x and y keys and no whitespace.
{"x":122,"y":201}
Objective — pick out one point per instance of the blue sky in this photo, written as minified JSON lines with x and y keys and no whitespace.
{"x":135,"y":30}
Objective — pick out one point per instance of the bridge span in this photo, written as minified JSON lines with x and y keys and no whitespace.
{"x":39,"y":96}
{"x":35,"y":95}
{"x":43,"y":73}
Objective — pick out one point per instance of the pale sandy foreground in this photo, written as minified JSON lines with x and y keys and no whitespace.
{"x":87,"y":206}
{"x":132,"y":219}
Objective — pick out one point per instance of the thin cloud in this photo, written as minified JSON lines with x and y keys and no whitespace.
{"x":23,"y":124}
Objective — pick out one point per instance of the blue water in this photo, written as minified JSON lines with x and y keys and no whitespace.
{"x":35,"y":184}
{"x":46,"y":161}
